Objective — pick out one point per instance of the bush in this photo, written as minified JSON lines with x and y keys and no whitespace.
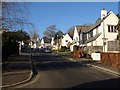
{"x":86,"y":55}
{"x":64,"y":49}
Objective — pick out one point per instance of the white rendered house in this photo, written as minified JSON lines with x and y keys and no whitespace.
{"x":98,"y":34}
{"x":65,"y":40}
{"x":103,"y":30}
{"x":75,"y":34}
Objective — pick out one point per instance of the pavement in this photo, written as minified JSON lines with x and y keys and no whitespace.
{"x":17,"y":72}
{"x":95,"y":64}
{"x":13,"y":79}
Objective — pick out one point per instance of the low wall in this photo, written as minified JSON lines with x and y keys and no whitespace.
{"x":92,"y":49}
{"x":111,"y":59}
{"x":78,"y":54}
{"x":95,"y":56}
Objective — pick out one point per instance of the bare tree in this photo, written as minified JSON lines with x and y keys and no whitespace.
{"x":50,"y":31}
{"x":14,"y":15}
{"x":34,"y":34}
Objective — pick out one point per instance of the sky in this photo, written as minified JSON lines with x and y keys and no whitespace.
{"x":66,"y":14}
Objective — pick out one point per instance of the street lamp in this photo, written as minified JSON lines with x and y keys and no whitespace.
{"x":57,"y":43}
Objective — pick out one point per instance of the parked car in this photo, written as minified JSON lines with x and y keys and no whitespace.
{"x":45,"y":50}
{"x":24,"y":48}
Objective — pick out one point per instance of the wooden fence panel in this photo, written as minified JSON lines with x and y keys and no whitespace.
{"x":113,"y":45}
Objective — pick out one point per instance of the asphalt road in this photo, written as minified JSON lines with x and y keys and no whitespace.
{"x":57,"y":72}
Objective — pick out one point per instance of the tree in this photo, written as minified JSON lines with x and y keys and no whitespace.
{"x":50,"y":31}
{"x":19,"y":35}
{"x":58,"y":38}
{"x":10,"y":45}
{"x":59,"y":33}
{"x":34,"y":35}
{"x":14,"y":15}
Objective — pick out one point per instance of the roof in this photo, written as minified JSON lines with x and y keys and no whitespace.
{"x":47,"y":40}
{"x":93,"y":38}
{"x":82,"y":28}
{"x":98,"y":22}
{"x":85,"y":28}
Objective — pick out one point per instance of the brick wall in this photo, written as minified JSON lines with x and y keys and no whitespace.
{"x":110,"y":59}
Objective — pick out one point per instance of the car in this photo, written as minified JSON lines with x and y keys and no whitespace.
{"x":45,"y":50}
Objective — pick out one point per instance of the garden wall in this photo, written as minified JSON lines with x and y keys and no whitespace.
{"x":92,"y":49}
{"x":110,"y":59}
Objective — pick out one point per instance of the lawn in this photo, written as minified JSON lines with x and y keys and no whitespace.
{"x":64,"y":53}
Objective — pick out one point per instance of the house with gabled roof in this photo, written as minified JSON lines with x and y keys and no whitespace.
{"x":65,"y":40}
{"x":98,"y":34}
{"x":75,"y":34}
{"x":103,"y":31}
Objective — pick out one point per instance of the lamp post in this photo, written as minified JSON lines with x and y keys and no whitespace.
{"x":57,"y":43}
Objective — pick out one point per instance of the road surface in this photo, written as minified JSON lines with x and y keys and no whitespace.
{"x":57,"y":72}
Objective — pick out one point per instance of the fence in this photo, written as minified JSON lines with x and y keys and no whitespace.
{"x":113,"y":45}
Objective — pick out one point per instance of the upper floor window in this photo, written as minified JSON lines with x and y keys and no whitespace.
{"x":97,"y":30}
{"x":90,"y":34}
{"x":112,"y":28}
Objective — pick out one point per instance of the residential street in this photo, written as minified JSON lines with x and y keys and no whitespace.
{"x":57,"y":72}
{"x":44,"y":45}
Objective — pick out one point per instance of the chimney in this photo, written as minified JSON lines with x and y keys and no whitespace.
{"x":103,"y":13}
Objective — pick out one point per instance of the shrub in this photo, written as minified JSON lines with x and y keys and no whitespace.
{"x":63,"y":48}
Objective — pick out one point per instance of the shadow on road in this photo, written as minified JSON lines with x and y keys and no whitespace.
{"x":109,"y":83}
{"x":55,"y":62}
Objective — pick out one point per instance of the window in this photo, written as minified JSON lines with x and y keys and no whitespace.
{"x":76,"y":38}
{"x":66,"y":40}
{"x":108,"y":28}
{"x":96,"y":30}
{"x":115,"y":29}
{"x":90,"y":34}
{"x":112,"y":28}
